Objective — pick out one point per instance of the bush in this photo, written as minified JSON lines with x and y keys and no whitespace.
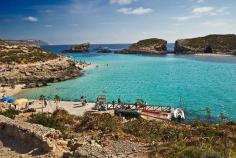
{"x":104,"y":122}
{"x":196,"y":152}
{"x":30,"y":110}
{"x":47,"y":121}
{"x":11,"y":113}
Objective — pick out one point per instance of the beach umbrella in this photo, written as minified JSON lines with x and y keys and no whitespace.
{"x":8,"y":100}
{"x":21,"y":102}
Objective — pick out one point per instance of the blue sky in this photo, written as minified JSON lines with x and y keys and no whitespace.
{"x":114,"y":21}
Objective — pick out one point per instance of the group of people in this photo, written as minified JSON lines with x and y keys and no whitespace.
{"x":118,"y":102}
{"x":83,"y":100}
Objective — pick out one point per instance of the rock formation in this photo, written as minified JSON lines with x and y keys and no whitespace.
{"x":218,"y":44}
{"x":104,"y":50}
{"x":148,"y":46}
{"x":39,"y":73}
{"x":33,"y":66}
{"x":78,"y":48}
{"x":30,"y":42}
{"x":35,"y":136}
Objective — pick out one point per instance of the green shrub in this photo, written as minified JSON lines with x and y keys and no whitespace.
{"x":11,"y":113}
{"x":104,"y":122}
{"x":197,"y":152}
{"x":47,"y":121}
{"x":30,"y":110}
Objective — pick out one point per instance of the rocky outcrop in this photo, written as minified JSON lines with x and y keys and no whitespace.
{"x":36,"y":137}
{"x":104,"y":50}
{"x":30,"y":42}
{"x":39,"y":73}
{"x":218,"y":44}
{"x":148,"y":46}
{"x":78,"y":48}
{"x":23,"y":64}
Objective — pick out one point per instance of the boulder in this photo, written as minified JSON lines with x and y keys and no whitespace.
{"x":147,"y":46}
{"x":217,"y":44}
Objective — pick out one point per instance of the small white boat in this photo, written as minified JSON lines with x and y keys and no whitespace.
{"x":179,"y":113}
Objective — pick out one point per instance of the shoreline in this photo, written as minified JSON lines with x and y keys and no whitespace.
{"x":218,"y":55}
{"x":9,"y":91}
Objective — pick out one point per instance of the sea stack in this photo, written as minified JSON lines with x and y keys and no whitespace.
{"x":79,"y":48}
{"x":147,"y":46}
{"x":217,"y":44}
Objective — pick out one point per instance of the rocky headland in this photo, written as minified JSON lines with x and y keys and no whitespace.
{"x":21,"y":64}
{"x":30,"y":42}
{"x":215,"y":44}
{"x":147,"y":46}
{"x":79,"y":48}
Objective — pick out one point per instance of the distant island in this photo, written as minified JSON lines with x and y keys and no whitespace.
{"x":147,"y":46}
{"x":79,"y":48}
{"x":30,"y":42}
{"x":215,"y":44}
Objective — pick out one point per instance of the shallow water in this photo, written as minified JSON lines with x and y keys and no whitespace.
{"x":198,"y":81}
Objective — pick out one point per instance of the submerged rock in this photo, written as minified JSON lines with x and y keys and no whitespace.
{"x":147,"y":46}
{"x":217,"y":44}
{"x":78,"y":48}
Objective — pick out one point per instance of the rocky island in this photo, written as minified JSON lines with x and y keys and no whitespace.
{"x":217,"y":44}
{"x":22,"y":64}
{"x":147,"y":46}
{"x":79,"y":48}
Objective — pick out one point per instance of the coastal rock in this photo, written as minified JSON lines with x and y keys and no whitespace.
{"x":34,"y":75}
{"x":78,"y":48}
{"x":217,"y":44}
{"x":33,"y":66}
{"x":104,"y":50}
{"x":147,"y":46}
{"x":32,"y":137}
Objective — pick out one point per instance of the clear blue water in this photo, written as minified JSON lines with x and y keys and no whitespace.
{"x":198,"y":81}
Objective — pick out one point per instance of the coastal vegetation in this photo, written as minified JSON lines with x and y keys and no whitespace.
{"x":17,"y":56}
{"x":11,"y":113}
{"x":166,"y":139}
{"x":147,"y":46}
{"x":14,"y":53}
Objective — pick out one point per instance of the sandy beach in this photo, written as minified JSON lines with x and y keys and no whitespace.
{"x":11,"y":91}
{"x":211,"y":54}
{"x":74,"y":108}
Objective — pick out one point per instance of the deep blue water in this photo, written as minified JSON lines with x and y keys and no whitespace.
{"x":198,"y":81}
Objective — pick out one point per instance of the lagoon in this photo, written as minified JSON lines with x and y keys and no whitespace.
{"x":195,"y":82}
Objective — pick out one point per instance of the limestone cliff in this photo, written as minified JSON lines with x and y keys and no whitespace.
{"x":218,"y":44}
{"x":147,"y":46}
{"x":31,"y":65}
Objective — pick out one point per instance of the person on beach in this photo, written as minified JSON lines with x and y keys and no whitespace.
{"x":113,"y":103}
{"x":119,"y":101}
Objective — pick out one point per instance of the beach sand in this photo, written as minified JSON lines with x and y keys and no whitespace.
{"x":211,"y":54}
{"x":74,"y":108}
{"x":9,"y":91}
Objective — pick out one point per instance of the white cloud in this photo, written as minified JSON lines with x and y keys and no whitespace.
{"x":135,"y":11}
{"x":198,"y":12}
{"x":200,"y":1}
{"x":122,"y":2}
{"x":48,"y":25}
{"x":185,"y":18}
{"x":203,"y":10}
{"x":31,"y":19}
{"x":215,"y":24}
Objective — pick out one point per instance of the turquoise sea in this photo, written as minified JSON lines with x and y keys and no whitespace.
{"x":195,"y":82}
